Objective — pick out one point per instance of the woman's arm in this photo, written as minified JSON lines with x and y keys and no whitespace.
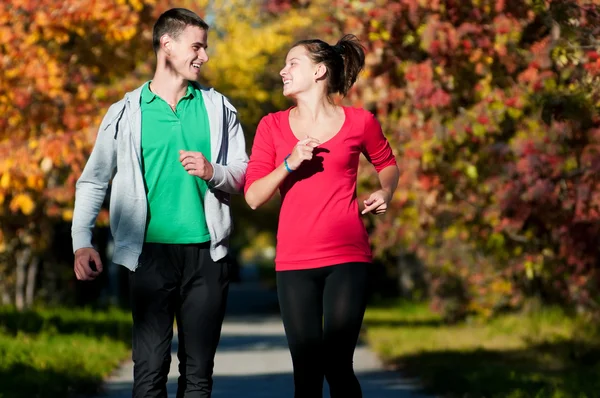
{"x":260,"y":189}
{"x":378,"y":201}
{"x":378,"y":151}
{"x":263,"y":189}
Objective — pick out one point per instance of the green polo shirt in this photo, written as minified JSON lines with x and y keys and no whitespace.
{"x":175,"y":198}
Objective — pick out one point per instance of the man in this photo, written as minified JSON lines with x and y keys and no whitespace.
{"x":174,"y":151}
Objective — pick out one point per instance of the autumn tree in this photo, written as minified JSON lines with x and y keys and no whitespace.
{"x":62,"y":64}
{"x":492,"y":108}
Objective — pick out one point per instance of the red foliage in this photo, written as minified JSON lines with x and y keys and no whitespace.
{"x":493,"y":113}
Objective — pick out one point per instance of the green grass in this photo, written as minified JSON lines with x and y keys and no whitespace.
{"x":60,"y":352}
{"x":542,"y":355}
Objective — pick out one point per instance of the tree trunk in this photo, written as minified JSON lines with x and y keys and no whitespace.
{"x":32,"y":272}
{"x":4,"y":295}
{"x":411,"y":277}
{"x":20,"y":272}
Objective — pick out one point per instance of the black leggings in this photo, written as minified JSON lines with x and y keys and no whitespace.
{"x":322,"y":311}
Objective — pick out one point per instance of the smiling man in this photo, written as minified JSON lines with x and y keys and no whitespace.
{"x":174,"y":152}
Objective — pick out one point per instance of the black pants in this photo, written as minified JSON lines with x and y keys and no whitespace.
{"x":182,"y":282}
{"x":322,"y":311}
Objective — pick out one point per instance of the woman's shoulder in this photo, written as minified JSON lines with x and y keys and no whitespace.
{"x":273,"y":124}
{"x":274,"y":119}
{"x":358,"y":112}
{"x":361,"y":116}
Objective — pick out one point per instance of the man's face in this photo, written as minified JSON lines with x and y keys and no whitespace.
{"x":187,"y":53}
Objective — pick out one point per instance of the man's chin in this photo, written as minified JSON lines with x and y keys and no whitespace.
{"x":190,"y":75}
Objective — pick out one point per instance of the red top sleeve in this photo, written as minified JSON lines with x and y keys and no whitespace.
{"x":262,"y":158}
{"x":375,"y":146}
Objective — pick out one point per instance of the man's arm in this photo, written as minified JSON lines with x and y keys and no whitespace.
{"x":230,"y":178}
{"x":91,"y":189}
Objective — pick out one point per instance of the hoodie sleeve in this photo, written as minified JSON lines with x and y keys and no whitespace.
{"x":230,"y":177}
{"x":91,"y":186}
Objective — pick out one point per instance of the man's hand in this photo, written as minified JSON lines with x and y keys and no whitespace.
{"x":377,"y":203}
{"x":196,"y":164}
{"x":87,"y":264}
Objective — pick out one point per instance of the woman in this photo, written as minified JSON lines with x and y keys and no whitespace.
{"x":310,"y":152}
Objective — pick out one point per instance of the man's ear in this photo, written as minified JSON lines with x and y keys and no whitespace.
{"x":165,"y":43}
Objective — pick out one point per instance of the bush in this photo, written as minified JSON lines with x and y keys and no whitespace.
{"x":59,"y":352}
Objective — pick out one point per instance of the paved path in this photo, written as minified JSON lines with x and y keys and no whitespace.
{"x":253,"y":360}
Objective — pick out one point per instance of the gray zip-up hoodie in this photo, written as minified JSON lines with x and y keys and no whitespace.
{"x":117,"y":155}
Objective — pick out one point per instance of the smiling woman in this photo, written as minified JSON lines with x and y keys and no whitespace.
{"x":310,"y":153}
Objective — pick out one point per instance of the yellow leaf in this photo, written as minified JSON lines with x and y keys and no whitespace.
{"x":35,"y":182}
{"x":5,"y":180}
{"x":427,"y":158}
{"x":529,"y":269}
{"x":24,"y":203}
{"x":67,"y":215}
{"x":472,"y":172}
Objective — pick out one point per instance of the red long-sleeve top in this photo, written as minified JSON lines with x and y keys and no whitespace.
{"x":319,"y":223}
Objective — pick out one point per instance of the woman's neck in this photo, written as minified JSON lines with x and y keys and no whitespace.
{"x":314,"y":110}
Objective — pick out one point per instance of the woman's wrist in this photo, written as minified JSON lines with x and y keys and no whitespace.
{"x":286,"y":165}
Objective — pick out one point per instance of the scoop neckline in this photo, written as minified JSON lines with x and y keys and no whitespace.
{"x":292,"y":137}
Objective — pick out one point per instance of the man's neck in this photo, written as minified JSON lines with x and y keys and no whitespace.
{"x":169,"y":87}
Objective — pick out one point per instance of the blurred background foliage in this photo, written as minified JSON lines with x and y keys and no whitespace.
{"x":491,"y":108}
{"x":488,"y":254}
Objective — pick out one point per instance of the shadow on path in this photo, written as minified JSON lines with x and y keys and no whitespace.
{"x":253,"y":360}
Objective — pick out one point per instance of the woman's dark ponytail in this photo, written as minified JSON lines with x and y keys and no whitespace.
{"x":353,"y":55}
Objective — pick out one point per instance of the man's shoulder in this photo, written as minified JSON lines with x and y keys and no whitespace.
{"x":206,"y":91}
{"x":215,"y":96}
{"x":117,"y":106}
{"x":114,"y":110}
{"x":133,"y":95}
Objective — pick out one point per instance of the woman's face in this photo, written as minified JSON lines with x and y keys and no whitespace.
{"x":299,"y":73}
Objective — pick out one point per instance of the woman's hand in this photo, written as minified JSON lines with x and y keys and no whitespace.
{"x":377,"y":203}
{"x":302,"y":151}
